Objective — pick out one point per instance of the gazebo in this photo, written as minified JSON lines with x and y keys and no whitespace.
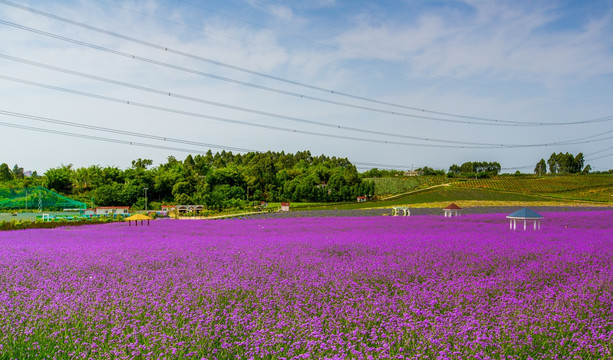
{"x":137,"y":217}
{"x":397,"y":210}
{"x":452,"y":210}
{"x":524,"y":214}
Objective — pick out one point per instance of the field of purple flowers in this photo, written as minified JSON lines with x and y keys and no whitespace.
{"x":326,"y":288}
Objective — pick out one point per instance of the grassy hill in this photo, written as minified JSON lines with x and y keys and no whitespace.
{"x":595,"y":187}
{"x":424,"y":191}
{"x":386,"y":186}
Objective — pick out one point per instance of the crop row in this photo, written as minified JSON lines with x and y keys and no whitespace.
{"x":572,"y":187}
{"x":455,"y":193}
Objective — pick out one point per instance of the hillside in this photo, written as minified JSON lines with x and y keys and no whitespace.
{"x":592,"y":187}
{"x":579,"y":190}
{"x":385,"y":186}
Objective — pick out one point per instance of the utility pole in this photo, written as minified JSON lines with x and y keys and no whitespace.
{"x":146,"y":199}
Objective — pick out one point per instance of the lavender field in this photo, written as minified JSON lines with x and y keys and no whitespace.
{"x":322,"y":288}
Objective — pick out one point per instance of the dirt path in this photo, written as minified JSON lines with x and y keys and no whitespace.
{"x":413,"y":191}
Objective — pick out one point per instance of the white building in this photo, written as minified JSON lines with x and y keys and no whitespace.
{"x":112,"y":210}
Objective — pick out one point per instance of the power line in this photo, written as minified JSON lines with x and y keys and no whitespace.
{"x":169,"y":139}
{"x":97,"y":138}
{"x":367,"y":57}
{"x":180,"y":141}
{"x":134,"y":143}
{"x":479,"y":120}
{"x":226,"y":120}
{"x":278,"y":128}
{"x":599,"y":151}
{"x":237,"y":68}
{"x":122,"y":132}
{"x":233,"y":107}
{"x":600,"y":157}
{"x":291,"y":118}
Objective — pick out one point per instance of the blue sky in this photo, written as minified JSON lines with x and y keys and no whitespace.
{"x":402,"y":83}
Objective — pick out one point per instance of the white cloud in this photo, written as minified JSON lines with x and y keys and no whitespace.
{"x":281,"y":12}
{"x":500,"y":46}
{"x":501,"y":41}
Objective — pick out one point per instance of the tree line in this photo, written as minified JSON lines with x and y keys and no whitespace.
{"x":562,"y":163}
{"x":479,"y":169}
{"x":219,"y":181}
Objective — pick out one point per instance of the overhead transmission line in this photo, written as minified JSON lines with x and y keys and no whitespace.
{"x":234,"y":67}
{"x":599,"y":151}
{"x":291,"y":118}
{"x":338,"y":48}
{"x":478,"y":120}
{"x":353,"y":68}
{"x":173,"y":140}
{"x":284,"y":129}
{"x":233,"y":107}
{"x":226,"y":120}
{"x":177,"y":140}
{"x":141,"y":135}
{"x":262,"y":87}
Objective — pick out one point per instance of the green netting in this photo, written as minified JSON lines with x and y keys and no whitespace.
{"x":36,"y":198}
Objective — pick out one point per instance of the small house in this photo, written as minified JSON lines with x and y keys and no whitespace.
{"x":169,"y":208}
{"x":112,"y":210}
{"x":452,"y":210}
{"x":361,"y":199}
{"x":284,"y":206}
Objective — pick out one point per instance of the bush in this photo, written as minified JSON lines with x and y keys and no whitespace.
{"x":40,"y":224}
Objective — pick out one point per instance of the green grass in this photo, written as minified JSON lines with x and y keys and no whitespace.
{"x":401,"y":184}
{"x":500,"y":191}
{"x":436,"y":195}
{"x":454,"y":193}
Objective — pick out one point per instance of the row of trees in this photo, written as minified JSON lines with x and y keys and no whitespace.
{"x":562,"y":163}
{"x":475,"y":169}
{"x":6,"y":174}
{"x":220,"y":180}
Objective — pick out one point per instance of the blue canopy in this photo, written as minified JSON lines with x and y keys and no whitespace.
{"x":525,"y":213}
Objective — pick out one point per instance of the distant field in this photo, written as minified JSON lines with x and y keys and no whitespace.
{"x":455,"y":193}
{"x":398,"y":185}
{"x":446,"y":194}
{"x":577,"y":187}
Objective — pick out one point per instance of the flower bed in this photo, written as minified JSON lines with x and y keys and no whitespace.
{"x":348,"y":287}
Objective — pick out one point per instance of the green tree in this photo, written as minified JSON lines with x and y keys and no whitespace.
{"x":541,"y":167}
{"x":578,"y":163}
{"x":108,"y":195}
{"x":141,"y":163}
{"x":59,"y":179}
{"x":181,"y":192}
{"x":554,"y":166}
{"x":18,"y":172}
{"x":5,"y":173}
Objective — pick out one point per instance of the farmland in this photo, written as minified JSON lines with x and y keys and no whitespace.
{"x":428,"y":191}
{"x":575,"y":187}
{"x":439,"y":195}
{"x":378,"y":287}
{"x":396,"y":185}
